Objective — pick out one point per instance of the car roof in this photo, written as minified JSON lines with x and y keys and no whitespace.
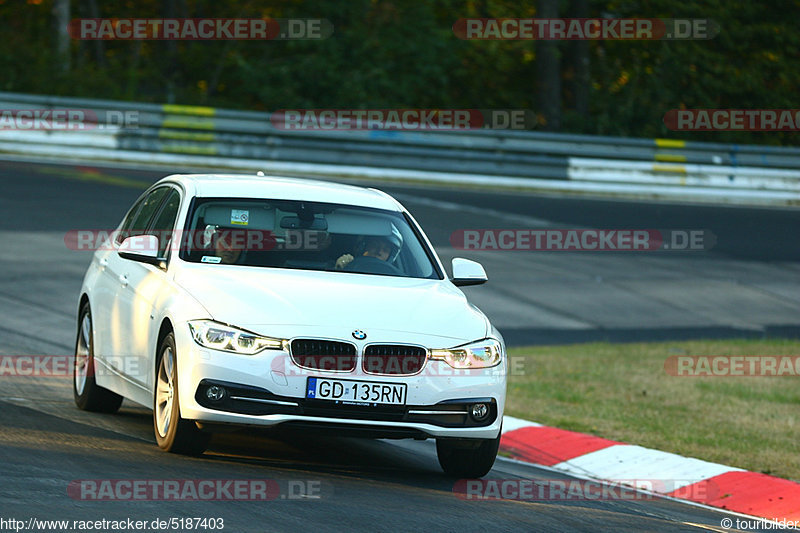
{"x":282,"y":188}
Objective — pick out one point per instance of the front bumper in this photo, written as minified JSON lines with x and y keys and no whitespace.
{"x":270,"y":390}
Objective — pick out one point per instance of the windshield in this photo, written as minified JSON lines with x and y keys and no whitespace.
{"x":306,"y":236}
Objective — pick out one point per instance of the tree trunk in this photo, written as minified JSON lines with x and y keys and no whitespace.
{"x":99,"y":45}
{"x":61,"y":21}
{"x":580,"y":58}
{"x":548,"y":72}
{"x":170,"y":74}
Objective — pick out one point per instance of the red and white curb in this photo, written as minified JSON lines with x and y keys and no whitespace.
{"x":689,"y":479}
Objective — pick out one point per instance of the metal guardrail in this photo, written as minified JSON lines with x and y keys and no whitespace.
{"x":204,"y":132}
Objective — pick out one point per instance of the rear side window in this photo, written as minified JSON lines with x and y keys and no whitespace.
{"x":138,"y":218}
{"x":164,"y":222}
{"x":126,"y":224}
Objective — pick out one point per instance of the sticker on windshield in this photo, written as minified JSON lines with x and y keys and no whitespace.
{"x":240,"y":217}
{"x":210,"y":259}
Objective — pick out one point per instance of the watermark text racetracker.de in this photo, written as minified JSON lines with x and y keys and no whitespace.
{"x":581,"y":490}
{"x":200,"y":29}
{"x":582,"y":29}
{"x":577,"y":240}
{"x":309,"y":365}
{"x":732,"y":365}
{"x":146,"y":490}
{"x":63,"y":366}
{"x":89,"y":240}
{"x":66,"y":119}
{"x":733,"y":119}
{"x":402,"y":119}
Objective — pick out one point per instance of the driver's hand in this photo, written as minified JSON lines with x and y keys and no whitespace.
{"x":343,"y":261}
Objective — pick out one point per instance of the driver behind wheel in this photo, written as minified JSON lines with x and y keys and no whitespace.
{"x":226,"y":244}
{"x":385,"y":248}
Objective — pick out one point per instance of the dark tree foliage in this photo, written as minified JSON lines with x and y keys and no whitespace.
{"x":403,"y":53}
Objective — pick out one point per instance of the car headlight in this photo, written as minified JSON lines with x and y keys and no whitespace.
{"x":481,"y":354}
{"x":229,"y":339}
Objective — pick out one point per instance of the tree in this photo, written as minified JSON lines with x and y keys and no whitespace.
{"x":548,"y":72}
{"x":61,"y":23}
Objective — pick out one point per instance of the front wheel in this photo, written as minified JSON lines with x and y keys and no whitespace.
{"x":88,"y":395}
{"x":467,"y":458}
{"x":173,"y":433}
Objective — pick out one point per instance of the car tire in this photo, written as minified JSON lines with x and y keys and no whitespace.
{"x":173,"y":433}
{"x":467,"y":458}
{"x":88,"y":395}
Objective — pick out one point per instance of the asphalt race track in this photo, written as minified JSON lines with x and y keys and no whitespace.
{"x":747,"y":285}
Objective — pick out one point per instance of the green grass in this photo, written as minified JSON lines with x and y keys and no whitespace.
{"x":622,"y":392}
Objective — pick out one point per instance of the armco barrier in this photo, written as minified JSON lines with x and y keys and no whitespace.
{"x":204,"y":136}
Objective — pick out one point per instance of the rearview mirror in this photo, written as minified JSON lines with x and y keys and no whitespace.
{"x":466,"y":272}
{"x":316,"y":223}
{"x":141,"y":248}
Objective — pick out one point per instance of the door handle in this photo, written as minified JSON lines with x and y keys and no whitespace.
{"x":123,"y":278}
{"x":104,"y":262}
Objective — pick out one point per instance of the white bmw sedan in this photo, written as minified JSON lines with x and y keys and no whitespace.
{"x":264,"y":301}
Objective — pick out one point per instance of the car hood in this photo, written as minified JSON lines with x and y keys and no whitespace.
{"x":288,"y":303}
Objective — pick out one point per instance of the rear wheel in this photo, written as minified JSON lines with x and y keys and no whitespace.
{"x":467,"y":458}
{"x":88,"y":395}
{"x":173,"y":433}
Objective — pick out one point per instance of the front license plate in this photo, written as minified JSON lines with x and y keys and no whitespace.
{"x":356,"y":392}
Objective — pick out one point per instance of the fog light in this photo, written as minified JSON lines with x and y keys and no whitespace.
{"x":215,"y":393}
{"x":480,"y":411}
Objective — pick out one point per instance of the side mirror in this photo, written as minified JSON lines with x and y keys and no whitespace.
{"x":466,"y":272}
{"x":141,"y":248}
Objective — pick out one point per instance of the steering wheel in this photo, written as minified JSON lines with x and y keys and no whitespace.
{"x":372,"y":265}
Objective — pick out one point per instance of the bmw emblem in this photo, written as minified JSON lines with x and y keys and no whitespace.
{"x":359,"y":335}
